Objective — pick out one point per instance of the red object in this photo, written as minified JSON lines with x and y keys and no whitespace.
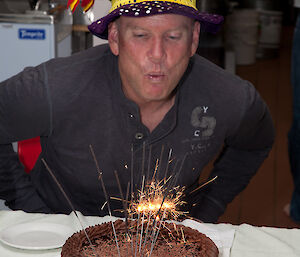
{"x":73,"y":4}
{"x":29,"y":151}
{"x":87,"y":4}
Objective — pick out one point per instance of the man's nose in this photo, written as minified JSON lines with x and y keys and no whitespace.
{"x":157,"y":50}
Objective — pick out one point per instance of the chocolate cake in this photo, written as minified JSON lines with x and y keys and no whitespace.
{"x":172,"y":240}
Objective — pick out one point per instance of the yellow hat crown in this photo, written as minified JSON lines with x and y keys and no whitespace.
{"x":118,"y":3}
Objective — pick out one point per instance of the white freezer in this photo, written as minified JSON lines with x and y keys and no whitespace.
{"x":30,"y":39}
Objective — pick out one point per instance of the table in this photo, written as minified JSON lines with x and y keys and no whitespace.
{"x":248,"y":241}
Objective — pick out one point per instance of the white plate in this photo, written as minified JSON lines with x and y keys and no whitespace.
{"x":36,"y":236}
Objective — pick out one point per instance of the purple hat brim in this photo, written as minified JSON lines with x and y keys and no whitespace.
{"x":209,"y":22}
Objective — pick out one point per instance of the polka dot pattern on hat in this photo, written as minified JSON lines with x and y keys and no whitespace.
{"x":119,"y":3}
{"x":209,"y":22}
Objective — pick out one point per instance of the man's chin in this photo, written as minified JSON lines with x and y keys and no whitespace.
{"x":156,"y":98}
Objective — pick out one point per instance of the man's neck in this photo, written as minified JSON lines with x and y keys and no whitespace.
{"x":152,"y":113}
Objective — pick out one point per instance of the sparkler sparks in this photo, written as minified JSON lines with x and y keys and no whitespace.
{"x":158,"y":198}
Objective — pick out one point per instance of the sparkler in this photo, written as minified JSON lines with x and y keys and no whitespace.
{"x":131,"y":171}
{"x":149,"y":162}
{"x":106,"y":196}
{"x":204,"y":184}
{"x":125,"y":208}
{"x":137,"y":234}
{"x":168,"y":163}
{"x":160,"y":159}
{"x":69,"y":202}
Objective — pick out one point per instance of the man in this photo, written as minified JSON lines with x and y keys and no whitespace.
{"x":144,"y":99}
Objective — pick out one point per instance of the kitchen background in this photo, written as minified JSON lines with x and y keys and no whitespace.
{"x":254,"y":43}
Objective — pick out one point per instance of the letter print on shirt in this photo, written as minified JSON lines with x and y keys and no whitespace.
{"x":203,"y":129}
{"x":205,"y":124}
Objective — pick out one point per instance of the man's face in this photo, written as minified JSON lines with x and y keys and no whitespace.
{"x":153,"y":53}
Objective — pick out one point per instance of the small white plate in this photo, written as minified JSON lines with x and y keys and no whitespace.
{"x":36,"y":236}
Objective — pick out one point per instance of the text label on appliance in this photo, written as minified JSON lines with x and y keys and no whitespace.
{"x":33,"y":34}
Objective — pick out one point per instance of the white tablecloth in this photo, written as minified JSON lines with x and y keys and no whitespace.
{"x":233,"y":241}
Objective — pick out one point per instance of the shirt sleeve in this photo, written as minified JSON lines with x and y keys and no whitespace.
{"x":24,"y":112}
{"x":15,"y":185}
{"x":244,"y":151}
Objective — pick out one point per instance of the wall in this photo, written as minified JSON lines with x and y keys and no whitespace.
{"x":100,"y":9}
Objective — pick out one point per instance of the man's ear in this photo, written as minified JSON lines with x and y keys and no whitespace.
{"x":113,"y":37}
{"x":195,"y":39}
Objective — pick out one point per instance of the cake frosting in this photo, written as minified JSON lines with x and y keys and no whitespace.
{"x":173,"y":240}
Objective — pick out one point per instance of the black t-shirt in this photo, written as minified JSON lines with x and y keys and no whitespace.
{"x":78,"y":101}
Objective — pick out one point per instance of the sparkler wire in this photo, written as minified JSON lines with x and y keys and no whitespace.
{"x":155,"y":170}
{"x":127,"y":195}
{"x":204,"y":184}
{"x":69,"y":202}
{"x":141,"y":235}
{"x":138,"y":221}
{"x":156,"y":236}
{"x":123,"y":202}
{"x":106,"y":196}
{"x":146,"y":234}
{"x":149,"y":163}
{"x":131,"y":172}
{"x":143,"y":159}
{"x":143,"y":167}
{"x":167,"y":168}
{"x":160,"y":160}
